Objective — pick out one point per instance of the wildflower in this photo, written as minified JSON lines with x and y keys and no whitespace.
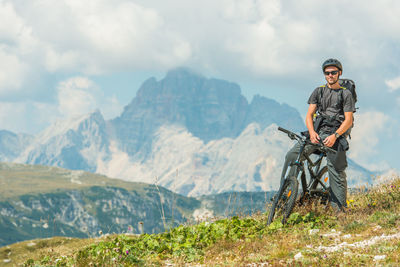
{"x":298,"y":256}
{"x":127,"y":252}
{"x":379,"y":257}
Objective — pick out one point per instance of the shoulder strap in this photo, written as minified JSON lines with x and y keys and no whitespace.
{"x":341,"y":101}
{"x":320,"y":91}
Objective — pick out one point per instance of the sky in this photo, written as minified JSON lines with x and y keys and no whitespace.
{"x":68,"y":57}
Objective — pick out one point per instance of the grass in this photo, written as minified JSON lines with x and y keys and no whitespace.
{"x":368,"y":234}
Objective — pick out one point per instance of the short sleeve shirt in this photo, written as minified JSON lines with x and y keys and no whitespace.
{"x":330,"y":102}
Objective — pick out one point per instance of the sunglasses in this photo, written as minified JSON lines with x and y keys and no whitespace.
{"x":327,"y":73}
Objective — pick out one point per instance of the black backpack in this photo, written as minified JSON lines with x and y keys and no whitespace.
{"x":350,"y":85}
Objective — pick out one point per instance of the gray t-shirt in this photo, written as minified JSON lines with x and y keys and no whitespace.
{"x":331,"y":105}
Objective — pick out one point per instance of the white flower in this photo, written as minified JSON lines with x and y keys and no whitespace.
{"x":379,"y":257}
{"x":313,"y":231}
{"x":298,"y":256}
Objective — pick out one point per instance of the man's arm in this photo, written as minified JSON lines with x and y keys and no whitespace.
{"x":314,"y":137}
{"x":346,"y":124}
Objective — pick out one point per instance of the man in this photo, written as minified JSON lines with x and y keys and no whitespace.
{"x":329,"y":117}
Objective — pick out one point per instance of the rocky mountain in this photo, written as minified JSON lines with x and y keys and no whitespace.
{"x":190,"y":134}
{"x":12,"y":145}
{"x":76,"y":143}
{"x":209,"y":109}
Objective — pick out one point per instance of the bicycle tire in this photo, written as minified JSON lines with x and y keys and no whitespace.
{"x":316,"y":186}
{"x":284,"y":202}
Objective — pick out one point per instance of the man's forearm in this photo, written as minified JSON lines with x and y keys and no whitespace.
{"x":310,"y":124}
{"x":346,"y":124}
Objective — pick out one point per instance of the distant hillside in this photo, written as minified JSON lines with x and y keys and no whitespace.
{"x":40,"y":201}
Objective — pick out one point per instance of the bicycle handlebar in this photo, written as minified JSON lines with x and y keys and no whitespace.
{"x":293,"y":136}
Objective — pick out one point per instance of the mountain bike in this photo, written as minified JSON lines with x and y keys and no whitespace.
{"x":317,"y":186}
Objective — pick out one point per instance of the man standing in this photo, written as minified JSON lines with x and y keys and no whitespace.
{"x":329,"y":117}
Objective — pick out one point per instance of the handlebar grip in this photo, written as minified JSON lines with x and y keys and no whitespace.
{"x":293,"y":136}
{"x":283,"y":130}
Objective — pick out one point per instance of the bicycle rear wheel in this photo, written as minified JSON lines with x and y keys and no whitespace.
{"x":284,"y":202}
{"x":317,"y":190}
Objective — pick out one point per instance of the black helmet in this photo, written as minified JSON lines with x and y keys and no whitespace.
{"x":332,"y":62}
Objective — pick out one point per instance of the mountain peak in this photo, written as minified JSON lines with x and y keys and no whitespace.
{"x":74,"y":143}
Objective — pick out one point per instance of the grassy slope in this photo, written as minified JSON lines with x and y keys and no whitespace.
{"x":17,"y":180}
{"x":367,"y":235}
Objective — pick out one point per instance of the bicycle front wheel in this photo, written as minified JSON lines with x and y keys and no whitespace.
{"x":284,"y":202}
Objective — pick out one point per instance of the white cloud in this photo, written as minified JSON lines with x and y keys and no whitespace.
{"x":12,"y":71}
{"x":79,"y":95}
{"x":15,"y":34}
{"x":26,"y":117}
{"x":94,"y":37}
{"x":76,"y":96}
{"x":16,"y":43}
{"x":393,"y":84}
{"x":250,"y":37}
{"x":365,"y":136}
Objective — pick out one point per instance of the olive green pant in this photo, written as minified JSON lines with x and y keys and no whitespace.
{"x":337,"y":178}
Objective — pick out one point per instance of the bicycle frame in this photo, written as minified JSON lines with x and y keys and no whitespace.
{"x":299,"y":163}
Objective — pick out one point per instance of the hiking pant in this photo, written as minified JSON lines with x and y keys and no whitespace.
{"x":337,"y":175}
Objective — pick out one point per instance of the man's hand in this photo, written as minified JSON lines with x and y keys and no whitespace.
{"x":314,"y":137}
{"x":330,"y":140}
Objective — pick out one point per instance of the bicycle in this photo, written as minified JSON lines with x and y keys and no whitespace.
{"x":285,"y":199}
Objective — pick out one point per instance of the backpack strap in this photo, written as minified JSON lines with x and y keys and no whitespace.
{"x":340,"y":97}
{"x":319,"y":105}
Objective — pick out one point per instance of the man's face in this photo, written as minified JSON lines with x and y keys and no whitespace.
{"x":330,"y":77}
